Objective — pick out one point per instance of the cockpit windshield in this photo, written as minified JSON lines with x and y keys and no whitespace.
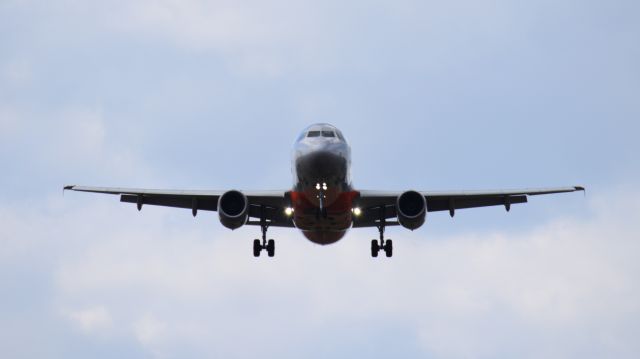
{"x":321,"y":130}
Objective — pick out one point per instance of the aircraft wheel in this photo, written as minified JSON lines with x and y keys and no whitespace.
{"x":388,"y":248}
{"x":271,"y":248}
{"x":375,"y":248}
{"x":257,"y":248}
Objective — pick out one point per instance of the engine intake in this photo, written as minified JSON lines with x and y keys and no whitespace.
{"x":412,"y":209}
{"x":233,"y":209}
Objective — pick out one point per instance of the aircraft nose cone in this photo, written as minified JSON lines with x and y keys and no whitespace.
{"x":320,"y":164}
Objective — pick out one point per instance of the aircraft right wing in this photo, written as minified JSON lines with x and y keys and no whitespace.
{"x":271,"y":202}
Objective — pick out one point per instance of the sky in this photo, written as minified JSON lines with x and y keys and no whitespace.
{"x":198,"y":94}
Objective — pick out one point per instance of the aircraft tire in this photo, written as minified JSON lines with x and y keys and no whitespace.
{"x":257,"y":248}
{"x":388,"y":248}
{"x":271,"y":248}
{"x":375,"y":248}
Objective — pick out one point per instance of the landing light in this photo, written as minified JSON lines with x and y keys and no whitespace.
{"x":324,"y":186}
{"x":288,"y":211}
{"x":356,"y":211}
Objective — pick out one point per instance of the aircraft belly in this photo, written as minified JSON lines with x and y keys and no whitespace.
{"x":324,"y":237}
{"x":323,"y":228}
{"x":333,"y":221}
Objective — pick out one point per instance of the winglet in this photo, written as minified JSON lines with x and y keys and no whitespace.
{"x":580,"y":188}
{"x":67,"y":187}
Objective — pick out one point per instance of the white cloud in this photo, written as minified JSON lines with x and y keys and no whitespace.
{"x":84,"y":132}
{"x":279,"y":37}
{"x":91,"y":319}
{"x":66,"y":139}
{"x":255,"y":36}
{"x":565,"y":289}
{"x":149,"y":330}
{"x":171,"y":284}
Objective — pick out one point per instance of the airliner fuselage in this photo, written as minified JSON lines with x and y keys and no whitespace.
{"x":322,"y":196}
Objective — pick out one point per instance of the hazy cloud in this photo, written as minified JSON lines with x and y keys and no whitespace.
{"x":563,"y":289}
{"x":210,"y":94}
{"x":91,"y":319}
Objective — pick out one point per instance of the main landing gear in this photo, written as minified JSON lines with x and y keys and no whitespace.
{"x":269,"y":246}
{"x":386,"y":245}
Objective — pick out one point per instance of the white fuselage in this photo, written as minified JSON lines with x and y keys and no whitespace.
{"x":322,"y":196}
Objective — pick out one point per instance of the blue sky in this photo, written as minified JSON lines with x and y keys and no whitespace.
{"x":211,"y":94}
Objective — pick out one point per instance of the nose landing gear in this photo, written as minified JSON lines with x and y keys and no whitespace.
{"x":322,"y":210}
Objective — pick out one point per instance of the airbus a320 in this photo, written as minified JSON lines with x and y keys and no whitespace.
{"x":322,"y":203}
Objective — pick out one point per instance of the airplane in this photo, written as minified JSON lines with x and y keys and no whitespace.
{"x":322,"y":203}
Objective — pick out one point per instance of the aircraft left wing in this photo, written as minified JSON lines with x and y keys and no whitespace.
{"x":382,"y":204}
{"x":270,"y":203}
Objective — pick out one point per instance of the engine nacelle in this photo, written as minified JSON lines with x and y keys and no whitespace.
{"x":411,"y":208}
{"x":233,"y":209}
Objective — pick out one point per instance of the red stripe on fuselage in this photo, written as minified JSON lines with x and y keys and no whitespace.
{"x":316,"y":227}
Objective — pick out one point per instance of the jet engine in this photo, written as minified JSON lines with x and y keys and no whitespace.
{"x":233,"y":209}
{"x":411,"y":208}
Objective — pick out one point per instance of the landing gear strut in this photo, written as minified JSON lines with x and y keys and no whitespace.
{"x":385,"y":245}
{"x":322,"y":210}
{"x":269,"y":246}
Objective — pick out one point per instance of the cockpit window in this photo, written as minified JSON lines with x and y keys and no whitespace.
{"x":328,"y":134}
{"x":313,"y":134}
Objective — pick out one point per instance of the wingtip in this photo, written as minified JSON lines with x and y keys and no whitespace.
{"x":579,"y":188}
{"x":68,"y":187}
